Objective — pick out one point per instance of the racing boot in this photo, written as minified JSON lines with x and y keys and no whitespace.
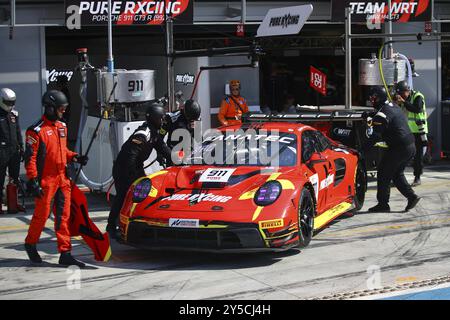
{"x":380,"y":208}
{"x":416,"y":182}
{"x":1,"y":206}
{"x":113,"y":232}
{"x":66,"y":259}
{"x":32,"y":253}
{"x":412,"y":202}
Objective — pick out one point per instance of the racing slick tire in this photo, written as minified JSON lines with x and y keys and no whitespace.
{"x":306,"y":214}
{"x":360,"y":187}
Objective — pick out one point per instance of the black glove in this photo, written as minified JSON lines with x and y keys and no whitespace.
{"x":21,"y":153}
{"x":82,"y":160}
{"x":34,"y":189}
{"x":161,"y":160}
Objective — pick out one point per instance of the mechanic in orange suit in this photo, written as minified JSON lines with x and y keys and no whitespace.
{"x":46,"y":158}
{"x":233,"y":106}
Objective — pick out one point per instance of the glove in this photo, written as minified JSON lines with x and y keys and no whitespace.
{"x":161,"y":160}
{"x":22,"y":154}
{"x":82,"y":160}
{"x":34,"y":188}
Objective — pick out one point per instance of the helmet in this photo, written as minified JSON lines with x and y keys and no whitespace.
{"x":377,"y":97}
{"x":7,"y":99}
{"x":52,"y":100}
{"x":154,"y":114}
{"x":402,"y":86}
{"x":235,"y":83}
{"x":192,"y":110}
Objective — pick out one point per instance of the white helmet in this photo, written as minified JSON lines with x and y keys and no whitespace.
{"x":7,"y":99}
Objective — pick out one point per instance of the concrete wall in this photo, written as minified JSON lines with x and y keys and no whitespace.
{"x":20,"y":70}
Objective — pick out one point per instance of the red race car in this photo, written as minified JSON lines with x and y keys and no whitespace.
{"x":236,"y":202}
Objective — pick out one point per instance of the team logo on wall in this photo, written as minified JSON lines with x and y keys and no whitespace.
{"x":52,"y":75}
{"x":401,"y":10}
{"x":185,"y":78}
{"x":130,"y":12}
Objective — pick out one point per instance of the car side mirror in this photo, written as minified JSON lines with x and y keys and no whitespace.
{"x":316,"y":156}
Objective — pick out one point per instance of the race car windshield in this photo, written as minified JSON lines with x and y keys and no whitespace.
{"x":246,"y":150}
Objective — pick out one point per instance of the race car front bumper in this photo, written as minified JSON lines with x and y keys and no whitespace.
{"x":238,"y":237}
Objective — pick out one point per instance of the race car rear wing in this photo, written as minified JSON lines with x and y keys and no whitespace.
{"x":307,"y":117}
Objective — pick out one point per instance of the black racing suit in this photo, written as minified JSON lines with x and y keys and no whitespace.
{"x":172,"y":122}
{"x":390,"y":125}
{"x":11,"y":146}
{"x":129,"y":164}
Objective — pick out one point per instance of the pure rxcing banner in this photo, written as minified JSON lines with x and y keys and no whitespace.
{"x":129,"y":12}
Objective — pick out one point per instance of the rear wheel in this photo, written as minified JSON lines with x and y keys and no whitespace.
{"x":360,"y":187}
{"x":306,"y":213}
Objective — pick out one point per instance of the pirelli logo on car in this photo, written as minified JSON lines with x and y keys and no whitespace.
{"x":269,"y":224}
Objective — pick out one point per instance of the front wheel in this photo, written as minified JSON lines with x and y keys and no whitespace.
{"x":306,"y":213}
{"x":360,"y":187}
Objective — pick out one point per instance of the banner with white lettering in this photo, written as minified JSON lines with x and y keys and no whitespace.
{"x":284,"y":21}
{"x":365,"y":10}
{"x":130,"y":12}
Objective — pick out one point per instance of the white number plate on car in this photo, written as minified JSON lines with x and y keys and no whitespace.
{"x":216,"y":175}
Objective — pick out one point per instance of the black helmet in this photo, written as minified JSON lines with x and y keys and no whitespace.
{"x":154,"y":114}
{"x":377,"y":97}
{"x":51,"y":100}
{"x":192,"y":110}
{"x":402,"y":86}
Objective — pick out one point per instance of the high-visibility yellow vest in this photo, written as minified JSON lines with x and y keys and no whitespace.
{"x":414,"y":117}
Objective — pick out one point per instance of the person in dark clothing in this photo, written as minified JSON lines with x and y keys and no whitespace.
{"x":129,"y":164}
{"x":11,"y":143}
{"x":390,"y":125}
{"x":413,"y":103}
{"x":181,"y":119}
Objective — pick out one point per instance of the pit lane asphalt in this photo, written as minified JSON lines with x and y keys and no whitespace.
{"x":405,"y":247}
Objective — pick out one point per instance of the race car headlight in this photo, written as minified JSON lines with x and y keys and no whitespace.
{"x":141,"y":190}
{"x":268,"y":193}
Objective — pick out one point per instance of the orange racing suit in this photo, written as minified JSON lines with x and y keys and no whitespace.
{"x":231,"y":110}
{"x":46,"y":158}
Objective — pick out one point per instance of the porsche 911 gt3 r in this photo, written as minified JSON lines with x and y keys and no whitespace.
{"x":245,"y":205}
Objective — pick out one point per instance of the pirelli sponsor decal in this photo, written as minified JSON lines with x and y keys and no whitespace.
{"x":269,"y":224}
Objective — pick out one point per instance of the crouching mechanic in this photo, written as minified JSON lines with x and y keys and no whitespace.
{"x":129,"y":164}
{"x":46,"y":159}
{"x":181,"y":119}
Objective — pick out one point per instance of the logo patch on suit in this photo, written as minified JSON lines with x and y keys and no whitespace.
{"x":62,"y":132}
{"x":13,"y":119}
{"x":31,"y":140}
{"x":49,"y":132}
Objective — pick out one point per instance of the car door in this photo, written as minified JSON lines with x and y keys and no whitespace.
{"x":315,"y":162}
{"x":336,"y":170}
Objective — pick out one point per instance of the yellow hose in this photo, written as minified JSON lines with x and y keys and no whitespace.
{"x":380,"y":64}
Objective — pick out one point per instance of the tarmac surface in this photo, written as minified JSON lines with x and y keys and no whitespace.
{"x":365,"y":253}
